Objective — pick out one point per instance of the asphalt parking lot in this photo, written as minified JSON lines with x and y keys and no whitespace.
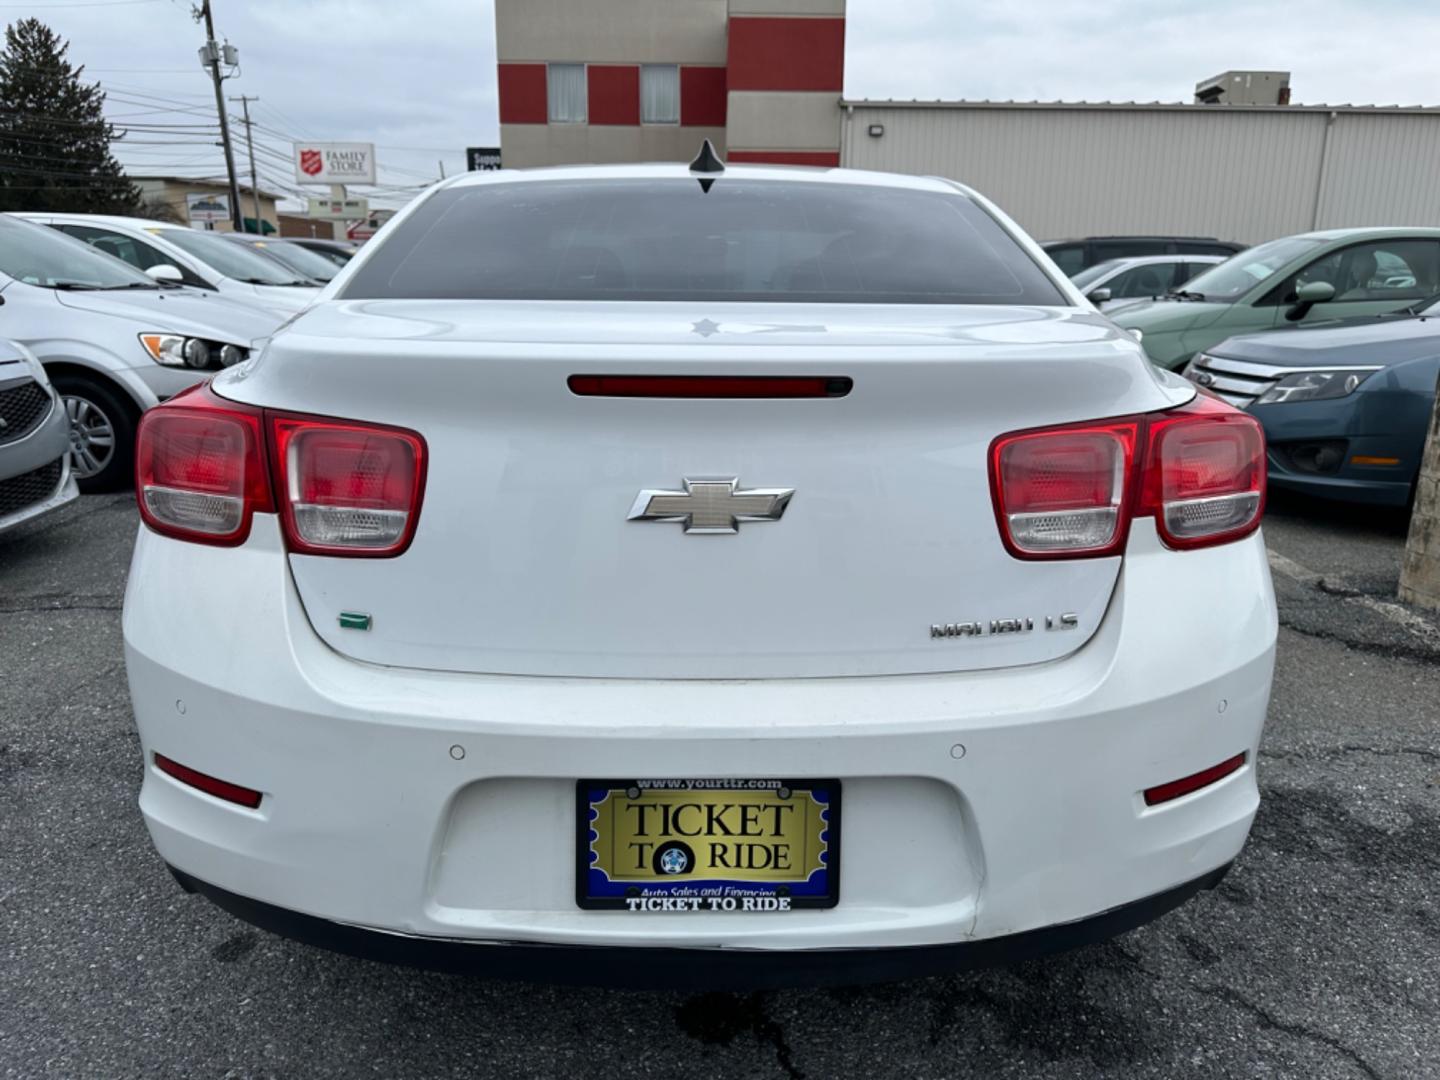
{"x":1319,"y":956}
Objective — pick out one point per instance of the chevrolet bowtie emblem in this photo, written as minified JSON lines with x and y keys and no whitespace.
{"x":711,"y":506}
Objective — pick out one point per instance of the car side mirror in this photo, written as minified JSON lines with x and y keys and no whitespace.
{"x":1307,"y":296}
{"x":1098,"y":296}
{"x":165,"y":272}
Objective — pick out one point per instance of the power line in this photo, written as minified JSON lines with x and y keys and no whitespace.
{"x":80,"y":4}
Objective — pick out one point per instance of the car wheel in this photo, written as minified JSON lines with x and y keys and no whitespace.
{"x":102,"y":433}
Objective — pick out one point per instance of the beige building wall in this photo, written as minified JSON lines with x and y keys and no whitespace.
{"x":611,"y":31}
{"x":787,"y":7}
{"x":784,"y":120}
{"x":536,"y":145}
{"x":171,"y":191}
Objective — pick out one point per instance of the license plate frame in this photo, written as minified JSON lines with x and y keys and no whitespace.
{"x":597,"y":890}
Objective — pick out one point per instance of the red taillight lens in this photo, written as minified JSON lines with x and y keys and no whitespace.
{"x":1163,"y":793}
{"x":1204,"y":474}
{"x":200,"y":469}
{"x":221,"y":789}
{"x":1064,"y":492}
{"x":346,"y":488}
{"x":1070,"y":492}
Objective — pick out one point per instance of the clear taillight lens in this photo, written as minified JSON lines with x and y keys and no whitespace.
{"x":1070,"y":492}
{"x":348,"y":489}
{"x":1063,"y":492}
{"x":200,"y":469}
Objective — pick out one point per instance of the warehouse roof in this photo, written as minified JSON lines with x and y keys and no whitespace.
{"x":1141,"y":106}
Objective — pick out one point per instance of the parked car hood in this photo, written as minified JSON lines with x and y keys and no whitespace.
{"x":285,"y":299}
{"x":1166,"y":316}
{"x":182,"y":311}
{"x":1388,"y":341}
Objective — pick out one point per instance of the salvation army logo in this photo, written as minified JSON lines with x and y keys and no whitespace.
{"x":311,"y":162}
{"x":674,"y":858}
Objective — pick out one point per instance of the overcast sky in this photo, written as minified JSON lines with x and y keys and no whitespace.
{"x":417,"y":77}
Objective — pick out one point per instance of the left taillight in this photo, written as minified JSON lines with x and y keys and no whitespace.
{"x":205,"y":466}
{"x":200,"y":468}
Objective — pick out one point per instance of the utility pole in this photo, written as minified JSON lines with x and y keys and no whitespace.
{"x":211,"y":54}
{"x":1420,"y":571}
{"x":250,"y":146}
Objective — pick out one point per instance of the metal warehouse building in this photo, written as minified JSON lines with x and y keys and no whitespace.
{"x":1236,"y":172}
{"x":646,"y":80}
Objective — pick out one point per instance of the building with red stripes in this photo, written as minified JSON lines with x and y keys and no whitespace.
{"x":647,"y":80}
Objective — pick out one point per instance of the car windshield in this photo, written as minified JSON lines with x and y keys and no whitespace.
{"x":672,"y":239}
{"x":231,"y":259}
{"x":1094,"y":273}
{"x":41,"y":256}
{"x":296,"y":258}
{"x":1236,"y":276}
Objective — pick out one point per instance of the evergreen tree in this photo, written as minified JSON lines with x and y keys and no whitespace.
{"x":54,"y":139}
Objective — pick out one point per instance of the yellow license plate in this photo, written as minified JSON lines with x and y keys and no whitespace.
{"x":707,"y":845}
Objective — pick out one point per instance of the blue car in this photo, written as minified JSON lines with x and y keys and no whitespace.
{"x":1345,"y":406}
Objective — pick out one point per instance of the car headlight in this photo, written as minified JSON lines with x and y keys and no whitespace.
{"x":176,"y":350}
{"x":1314,"y":386}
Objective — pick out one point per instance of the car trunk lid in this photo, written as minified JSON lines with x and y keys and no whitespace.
{"x":526,"y":559}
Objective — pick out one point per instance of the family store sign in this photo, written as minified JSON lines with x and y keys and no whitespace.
{"x":335,"y":163}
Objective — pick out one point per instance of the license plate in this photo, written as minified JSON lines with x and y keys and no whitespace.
{"x":707,"y":845}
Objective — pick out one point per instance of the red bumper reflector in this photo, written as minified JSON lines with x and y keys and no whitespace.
{"x":221,"y":789}
{"x":1185,"y":785}
{"x":709,"y":386}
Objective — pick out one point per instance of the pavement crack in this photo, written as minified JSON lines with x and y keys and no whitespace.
{"x":1328,"y":752}
{"x":1270,"y":1020}
{"x":1390,"y":650}
{"x":32,"y":604}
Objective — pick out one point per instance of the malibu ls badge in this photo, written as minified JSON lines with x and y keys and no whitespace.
{"x":711,"y":507}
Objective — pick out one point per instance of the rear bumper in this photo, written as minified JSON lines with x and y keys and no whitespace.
{"x":695,"y":969}
{"x":441,"y":806}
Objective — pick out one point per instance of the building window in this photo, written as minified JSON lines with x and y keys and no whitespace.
{"x":659,"y":93}
{"x":567,"y":93}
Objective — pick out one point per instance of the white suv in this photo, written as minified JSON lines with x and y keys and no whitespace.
{"x":706,"y":576}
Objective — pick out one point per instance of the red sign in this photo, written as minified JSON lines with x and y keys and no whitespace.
{"x":311,"y":162}
{"x":361,"y":231}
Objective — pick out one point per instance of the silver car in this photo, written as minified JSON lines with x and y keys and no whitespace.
{"x":113,"y":340}
{"x":1122,"y":281}
{"x":34,"y":440}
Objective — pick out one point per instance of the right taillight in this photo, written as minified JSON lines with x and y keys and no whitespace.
{"x":1204,"y":474}
{"x":205,"y":466}
{"x":1070,"y":492}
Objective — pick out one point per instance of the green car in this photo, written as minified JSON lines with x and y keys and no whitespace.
{"x":1315,"y":276}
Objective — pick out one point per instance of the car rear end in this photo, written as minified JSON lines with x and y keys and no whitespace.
{"x":782,"y":576}
{"x":34,"y":441}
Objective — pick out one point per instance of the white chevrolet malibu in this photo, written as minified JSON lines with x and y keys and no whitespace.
{"x":662,"y":575}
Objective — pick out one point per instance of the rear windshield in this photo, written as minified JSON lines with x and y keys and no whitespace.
{"x":668,"y":239}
